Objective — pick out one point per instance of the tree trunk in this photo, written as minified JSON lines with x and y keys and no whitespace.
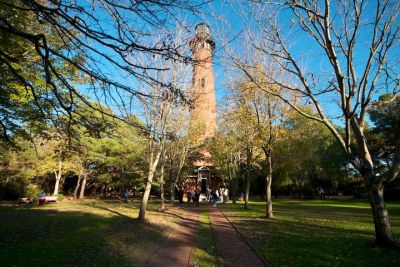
{"x":57,"y":184}
{"x":82,"y":193}
{"x":268,"y":183}
{"x":231,"y":181}
{"x":383,"y":229}
{"x":78,"y":183}
{"x":94,"y":191}
{"x":232,"y":178}
{"x":103,"y":191}
{"x":146,"y":194}
{"x":162,"y":196}
{"x":58,"y":177}
{"x":150,"y":175}
{"x":172,"y":192}
{"x":235,"y":185}
{"x":247,"y":193}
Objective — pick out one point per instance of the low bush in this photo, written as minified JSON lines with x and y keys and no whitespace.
{"x":33,"y":193}
{"x":12,"y":190}
{"x":60,"y":197}
{"x":303,"y":193}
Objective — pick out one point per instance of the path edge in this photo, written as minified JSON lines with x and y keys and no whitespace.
{"x":148,"y":261}
{"x":220,"y":260}
{"x":192,"y":260}
{"x":267,"y":264}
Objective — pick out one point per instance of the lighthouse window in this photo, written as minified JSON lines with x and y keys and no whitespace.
{"x":205,"y":45}
{"x":203,"y":83}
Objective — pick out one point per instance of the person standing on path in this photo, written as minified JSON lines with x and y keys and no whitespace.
{"x":197,"y":197}
{"x":180,"y":196}
{"x":126,"y":195}
{"x":214,"y":197}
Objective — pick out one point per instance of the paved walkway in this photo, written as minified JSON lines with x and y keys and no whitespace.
{"x":179,"y":249}
{"x":231,"y":246}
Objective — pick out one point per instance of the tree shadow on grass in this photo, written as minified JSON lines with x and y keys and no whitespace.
{"x":294,"y":243}
{"x":173,"y":211}
{"x":307,"y":235}
{"x":357,"y":215}
{"x":33,"y":237}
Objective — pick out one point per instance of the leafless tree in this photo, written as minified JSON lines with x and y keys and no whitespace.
{"x":178,"y":148}
{"x":357,"y":46}
{"x":158,"y":113}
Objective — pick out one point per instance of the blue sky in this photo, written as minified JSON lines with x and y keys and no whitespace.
{"x":227,"y":19}
{"x":226,"y":23}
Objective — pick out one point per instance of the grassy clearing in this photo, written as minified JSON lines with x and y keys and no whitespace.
{"x":316,"y":233}
{"x":73,"y":233}
{"x":206,"y":251}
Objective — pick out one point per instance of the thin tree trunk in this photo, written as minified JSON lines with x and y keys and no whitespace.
{"x":172,"y":192}
{"x":268,"y":177}
{"x":78,"y":183}
{"x":57,"y":184}
{"x":82,"y":193}
{"x":94,"y":191}
{"x":103,"y":191}
{"x":162,"y":196}
{"x":383,"y":229}
{"x":236,"y":179}
{"x":150,"y":175}
{"x":268,"y":182}
{"x":58,"y":177}
{"x":182,"y":160}
{"x":247,"y":193}
{"x":172,"y":186}
{"x":232,"y":181}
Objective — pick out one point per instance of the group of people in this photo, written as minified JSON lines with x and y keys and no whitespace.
{"x":212,"y":196}
{"x":221,"y":195}
{"x":191,"y":196}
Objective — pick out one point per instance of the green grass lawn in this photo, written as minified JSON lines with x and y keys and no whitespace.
{"x":205,"y":251}
{"x":74,"y":233}
{"x":315,"y":233}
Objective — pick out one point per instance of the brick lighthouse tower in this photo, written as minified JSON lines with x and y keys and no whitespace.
{"x":203,"y":117}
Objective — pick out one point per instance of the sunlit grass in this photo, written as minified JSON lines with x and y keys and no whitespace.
{"x":316,"y":233}
{"x":88,"y":233}
{"x":205,"y":251}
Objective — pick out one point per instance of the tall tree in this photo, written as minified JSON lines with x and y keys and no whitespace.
{"x":268,"y":111}
{"x":357,"y":44}
{"x":158,"y":111}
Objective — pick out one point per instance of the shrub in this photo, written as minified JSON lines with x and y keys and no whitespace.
{"x":359,"y":193}
{"x":60,"y":197}
{"x":12,"y":190}
{"x":304,"y":193}
{"x":33,"y":193}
